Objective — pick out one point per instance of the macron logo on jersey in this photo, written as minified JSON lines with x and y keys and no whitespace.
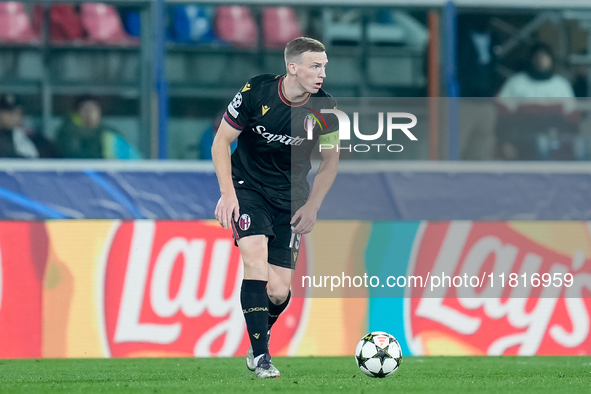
{"x":284,"y":139}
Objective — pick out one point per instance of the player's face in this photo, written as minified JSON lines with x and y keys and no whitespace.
{"x":311,"y":72}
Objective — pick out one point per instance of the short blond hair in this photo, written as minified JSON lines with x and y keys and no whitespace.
{"x":296,"y":47}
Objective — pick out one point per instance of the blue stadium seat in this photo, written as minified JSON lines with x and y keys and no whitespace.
{"x":131,"y":22}
{"x":192,"y":23}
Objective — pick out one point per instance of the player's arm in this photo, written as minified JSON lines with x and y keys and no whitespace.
{"x":323,"y":181}
{"x":227,"y":206}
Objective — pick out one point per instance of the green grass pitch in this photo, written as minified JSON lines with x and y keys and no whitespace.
{"x":299,"y":375}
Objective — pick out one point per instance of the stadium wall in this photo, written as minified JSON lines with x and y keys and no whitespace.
{"x":117,"y":287}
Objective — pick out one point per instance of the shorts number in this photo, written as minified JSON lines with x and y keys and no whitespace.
{"x":295,"y":238}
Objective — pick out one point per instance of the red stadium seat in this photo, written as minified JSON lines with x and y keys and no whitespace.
{"x":280,"y":25}
{"x":236,"y":25}
{"x":37,"y":19}
{"x":15,"y":24}
{"x":103,"y":24}
{"x":65,"y":23}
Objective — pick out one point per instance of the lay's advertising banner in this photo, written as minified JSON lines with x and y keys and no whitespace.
{"x":110,"y":288}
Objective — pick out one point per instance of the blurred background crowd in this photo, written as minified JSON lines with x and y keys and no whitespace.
{"x":87,"y":81}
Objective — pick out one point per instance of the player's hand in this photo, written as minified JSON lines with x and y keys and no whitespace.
{"x":226,"y":210}
{"x":305,"y":217}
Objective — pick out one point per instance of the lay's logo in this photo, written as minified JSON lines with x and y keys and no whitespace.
{"x":496,"y":319}
{"x":173,"y":289}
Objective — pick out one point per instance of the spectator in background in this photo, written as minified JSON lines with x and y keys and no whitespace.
{"x":84,"y":136}
{"x":476,"y":58}
{"x":14,"y":142}
{"x":581,"y":80}
{"x":539,"y":105}
{"x":538,"y":80}
{"x":477,"y":78}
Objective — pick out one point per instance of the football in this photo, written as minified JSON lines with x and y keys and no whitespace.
{"x":378,"y":354}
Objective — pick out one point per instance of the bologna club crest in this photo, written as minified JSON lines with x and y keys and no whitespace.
{"x":244,"y":222}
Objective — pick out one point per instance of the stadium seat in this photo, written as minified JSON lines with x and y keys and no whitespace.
{"x":541,"y":132}
{"x":236,"y":25}
{"x":280,"y":25}
{"x":15,"y":24}
{"x":65,"y":23}
{"x":131,"y":22}
{"x":341,"y":27}
{"x":37,"y":20}
{"x":385,"y":29}
{"x":103,"y":24}
{"x":192,"y":23}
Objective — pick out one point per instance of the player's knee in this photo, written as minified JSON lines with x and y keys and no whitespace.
{"x":277,"y":294}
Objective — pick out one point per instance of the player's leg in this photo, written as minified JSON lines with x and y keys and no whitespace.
{"x":254,"y":300}
{"x":278,"y":290}
{"x":253,"y":294}
{"x":283,"y":254}
{"x":251,"y":232}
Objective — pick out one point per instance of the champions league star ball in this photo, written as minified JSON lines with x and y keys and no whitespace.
{"x":378,"y":354}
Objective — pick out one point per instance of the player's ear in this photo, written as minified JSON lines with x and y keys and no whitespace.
{"x":291,"y":68}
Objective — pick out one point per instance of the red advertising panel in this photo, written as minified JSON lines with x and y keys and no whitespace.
{"x":503,"y":317}
{"x":173,"y":289}
{"x":23,"y":254}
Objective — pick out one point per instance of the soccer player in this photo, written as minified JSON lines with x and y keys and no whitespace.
{"x":263,"y":185}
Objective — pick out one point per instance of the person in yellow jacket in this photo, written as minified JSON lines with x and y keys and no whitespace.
{"x":84,"y":136}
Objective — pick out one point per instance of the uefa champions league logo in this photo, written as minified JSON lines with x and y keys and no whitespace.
{"x":237,"y":101}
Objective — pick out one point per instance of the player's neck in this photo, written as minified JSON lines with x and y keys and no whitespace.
{"x":292,"y":90}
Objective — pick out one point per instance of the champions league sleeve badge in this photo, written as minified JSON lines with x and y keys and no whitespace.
{"x":236,"y":102}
